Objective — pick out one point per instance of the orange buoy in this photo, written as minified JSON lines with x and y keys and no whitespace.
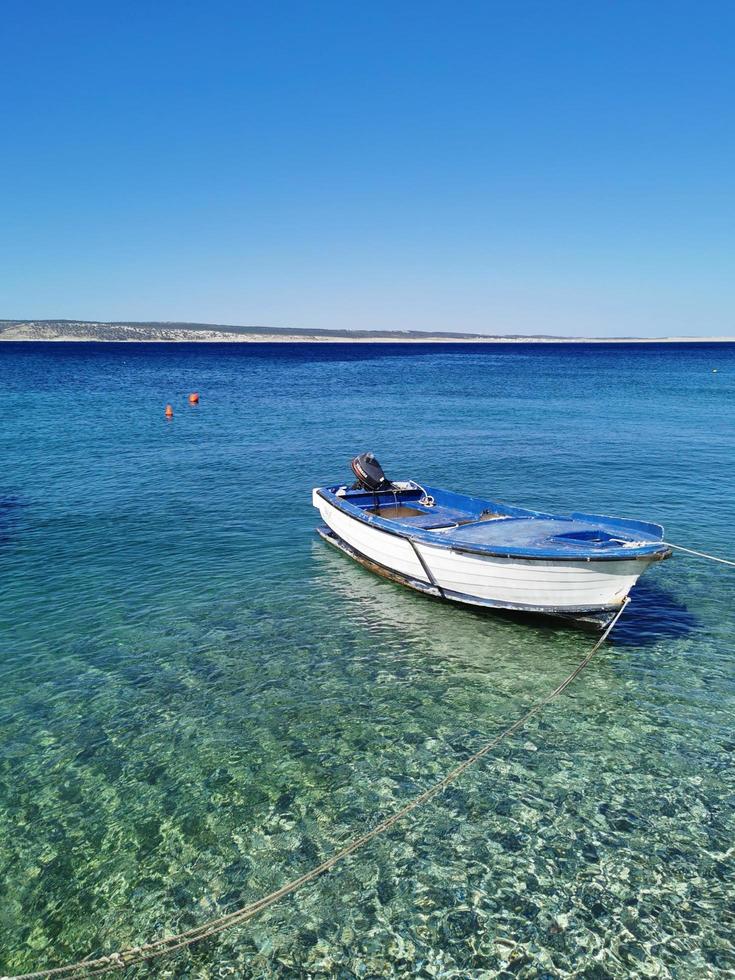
{"x":194,"y":398}
{"x":169,"y":412}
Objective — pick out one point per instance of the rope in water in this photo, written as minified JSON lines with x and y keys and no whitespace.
{"x":170,"y":944}
{"x":700,"y":554}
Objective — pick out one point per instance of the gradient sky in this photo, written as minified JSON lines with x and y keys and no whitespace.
{"x":515,"y":167}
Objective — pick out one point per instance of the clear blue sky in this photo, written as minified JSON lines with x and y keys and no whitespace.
{"x":515,"y":167}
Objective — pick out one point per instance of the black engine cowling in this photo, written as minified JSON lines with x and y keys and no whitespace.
{"x":369,"y":473}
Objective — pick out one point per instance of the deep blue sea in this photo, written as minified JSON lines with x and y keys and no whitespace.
{"x":200,"y":700}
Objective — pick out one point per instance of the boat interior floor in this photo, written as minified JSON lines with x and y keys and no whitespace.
{"x":430,"y":518}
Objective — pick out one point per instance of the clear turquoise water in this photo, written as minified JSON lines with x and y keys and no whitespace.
{"x":200,"y":700}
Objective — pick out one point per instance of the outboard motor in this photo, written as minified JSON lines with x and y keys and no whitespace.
{"x":369,"y":473}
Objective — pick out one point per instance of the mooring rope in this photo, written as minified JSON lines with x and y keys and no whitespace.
{"x":699,"y":554}
{"x":170,"y":944}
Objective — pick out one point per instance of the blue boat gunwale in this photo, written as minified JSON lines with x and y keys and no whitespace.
{"x":651,"y":550}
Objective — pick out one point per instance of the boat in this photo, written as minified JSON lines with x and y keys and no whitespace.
{"x":481,"y":552}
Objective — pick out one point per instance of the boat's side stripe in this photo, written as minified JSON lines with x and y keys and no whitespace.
{"x":428,"y":572}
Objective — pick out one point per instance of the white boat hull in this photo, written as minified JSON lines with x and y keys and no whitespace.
{"x":572,"y":589}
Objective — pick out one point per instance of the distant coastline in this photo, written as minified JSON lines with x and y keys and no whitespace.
{"x":79,"y":331}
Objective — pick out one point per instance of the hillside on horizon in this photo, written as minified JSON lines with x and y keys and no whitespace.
{"x":118,"y":330}
{"x":164,"y":331}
